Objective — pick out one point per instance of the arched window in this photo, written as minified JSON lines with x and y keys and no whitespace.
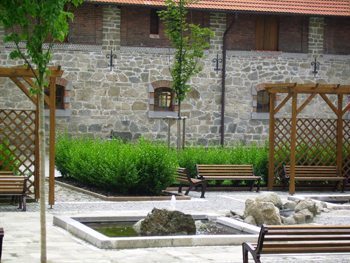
{"x":163,"y":99}
{"x":263,"y":101}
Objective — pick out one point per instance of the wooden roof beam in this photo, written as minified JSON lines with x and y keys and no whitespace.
{"x":26,"y":72}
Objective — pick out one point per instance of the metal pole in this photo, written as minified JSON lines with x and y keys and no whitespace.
{"x":183,"y":132}
{"x":168,"y":133}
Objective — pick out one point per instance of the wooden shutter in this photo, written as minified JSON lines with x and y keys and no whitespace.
{"x":271,"y":33}
{"x":259,"y":33}
{"x":266,"y":36}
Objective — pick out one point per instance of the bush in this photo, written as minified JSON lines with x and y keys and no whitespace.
{"x":142,"y":168}
{"x":7,"y":158}
{"x":257,"y":156}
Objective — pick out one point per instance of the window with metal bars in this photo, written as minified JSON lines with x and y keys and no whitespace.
{"x":59,"y":97}
{"x":263,"y":101}
{"x":163,"y":99}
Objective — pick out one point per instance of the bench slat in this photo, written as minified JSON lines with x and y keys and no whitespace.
{"x":228,"y":172}
{"x":11,"y":185}
{"x":299,"y":239}
{"x":306,"y":250}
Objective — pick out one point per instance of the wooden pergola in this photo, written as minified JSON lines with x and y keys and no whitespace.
{"x":309,"y":91}
{"x":23,"y":78}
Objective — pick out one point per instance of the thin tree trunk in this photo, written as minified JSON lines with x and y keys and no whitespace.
{"x":43,"y":252}
{"x":179,"y":126}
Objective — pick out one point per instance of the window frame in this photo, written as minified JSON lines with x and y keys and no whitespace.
{"x":159,"y":95}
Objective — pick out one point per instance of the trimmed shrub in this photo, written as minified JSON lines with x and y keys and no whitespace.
{"x":7,"y":158}
{"x":142,"y":168}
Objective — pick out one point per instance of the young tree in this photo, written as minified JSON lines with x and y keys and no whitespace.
{"x":189,"y":41}
{"x":29,"y":24}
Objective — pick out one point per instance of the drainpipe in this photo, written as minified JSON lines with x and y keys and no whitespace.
{"x":223,"y":80}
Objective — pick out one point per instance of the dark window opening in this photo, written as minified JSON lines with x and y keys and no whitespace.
{"x":59,"y":97}
{"x":154,"y":22}
{"x":263,"y":101}
{"x":163,"y":99}
{"x":266,"y":34}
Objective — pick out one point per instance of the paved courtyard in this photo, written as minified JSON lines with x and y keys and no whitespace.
{"x":22,"y":231}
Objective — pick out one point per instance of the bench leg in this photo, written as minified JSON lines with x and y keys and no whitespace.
{"x":180,"y":189}
{"x":251,"y":185}
{"x":189,"y":189}
{"x":245,"y":255}
{"x":204,"y":187}
{"x":258,"y":185}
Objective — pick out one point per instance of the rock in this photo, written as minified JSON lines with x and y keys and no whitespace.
{"x":250,"y":220}
{"x":137,"y":226}
{"x":290,"y":205}
{"x":263,"y":212}
{"x":271,"y":197}
{"x":299,"y":218}
{"x":163,"y":222}
{"x":321,"y":207}
{"x":306,"y":204}
{"x":289,"y":220}
{"x":309,"y":216}
{"x":234,"y":214}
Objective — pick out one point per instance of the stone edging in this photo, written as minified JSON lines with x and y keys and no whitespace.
{"x":125,"y":198}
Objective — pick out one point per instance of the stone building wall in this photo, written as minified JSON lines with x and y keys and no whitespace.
{"x":102,"y":101}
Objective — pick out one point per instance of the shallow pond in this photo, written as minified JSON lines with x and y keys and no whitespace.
{"x":125,"y":229}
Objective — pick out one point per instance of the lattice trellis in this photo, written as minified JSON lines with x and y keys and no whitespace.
{"x":281,"y":145}
{"x":17,"y":132}
{"x":346,"y":148}
{"x":315,"y":143}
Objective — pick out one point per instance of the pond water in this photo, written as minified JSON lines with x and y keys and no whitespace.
{"x":125,"y":229}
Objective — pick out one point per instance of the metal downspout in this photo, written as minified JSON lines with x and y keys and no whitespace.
{"x":223,"y":83}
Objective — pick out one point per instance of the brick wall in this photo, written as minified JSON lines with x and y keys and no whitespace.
{"x":86,"y":27}
{"x":135,"y":27}
{"x":242,"y":33}
{"x":336,"y":35}
{"x":293,"y":32}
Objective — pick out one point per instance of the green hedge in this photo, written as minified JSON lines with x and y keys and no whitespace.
{"x":7,"y":158}
{"x":142,"y":168}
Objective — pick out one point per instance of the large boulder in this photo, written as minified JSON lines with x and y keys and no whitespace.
{"x":306,"y":204}
{"x":161,"y":222}
{"x":272,"y":198}
{"x":262,"y":212}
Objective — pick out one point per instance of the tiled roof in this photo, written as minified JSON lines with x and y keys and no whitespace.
{"x":305,"y":7}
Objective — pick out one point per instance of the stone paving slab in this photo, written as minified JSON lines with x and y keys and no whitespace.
{"x":21,"y":241}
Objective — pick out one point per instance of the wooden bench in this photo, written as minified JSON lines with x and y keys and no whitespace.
{"x":183,"y":177}
{"x":314,"y":173}
{"x":1,"y":238}
{"x":298,"y":239}
{"x":14,"y":186}
{"x":228,"y":172}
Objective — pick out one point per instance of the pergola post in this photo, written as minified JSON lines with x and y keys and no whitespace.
{"x":22,"y":76}
{"x":293,"y":143}
{"x":271,"y":175}
{"x":340,"y":134}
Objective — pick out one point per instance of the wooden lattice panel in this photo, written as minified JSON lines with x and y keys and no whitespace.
{"x":315,"y":143}
{"x":282,"y":145}
{"x":17,"y":130}
{"x":346,"y":148}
